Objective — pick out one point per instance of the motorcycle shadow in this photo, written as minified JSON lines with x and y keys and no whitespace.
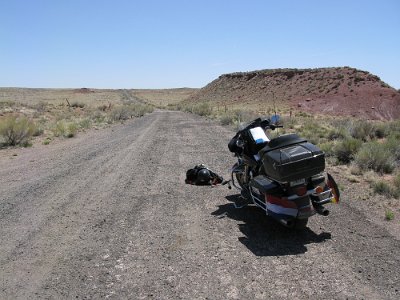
{"x":265,"y":236}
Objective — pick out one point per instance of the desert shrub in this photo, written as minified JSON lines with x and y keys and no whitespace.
{"x":244,"y":116}
{"x":47,"y":141}
{"x":120,"y":113}
{"x":128,"y":111}
{"x":327,"y":147}
{"x":38,"y":130}
{"x":393,"y":146}
{"x":313,"y":131}
{"x":396,"y":185}
{"x":85,"y":123}
{"x":338,"y":133}
{"x":362,"y":130}
{"x":309,"y":124}
{"x":312,"y":138}
{"x":16,"y":130}
{"x":289,"y":122}
{"x":381,"y":130}
{"x":355,"y":169}
{"x":396,"y":182}
{"x":394,"y":129}
{"x":71,"y":130}
{"x":65,"y":129}
{"x":389,"y":215}
{"x":346,"y":149}
{"x":104,"y":107}
{"x":357,"y":79}
{"x":394,"y":125}
{"x":179,"y":106}
{"x":98,"y":116}
{"x":237,"y":117}
{"x":4,"y":104}
{"x":187,"y":107}
{"x":41,"y":106}
{"x":77,"y":104}
{"x":202,"y":109}
{"x":139,"y":110}
{"x":64,"y":115}
{"x":395,"y":134}
{"x":375,"y":156}
{"x":59,"y":128}
{"x":303,"y":114}
{"x":227,"y":119}
{"x":381,"y":187}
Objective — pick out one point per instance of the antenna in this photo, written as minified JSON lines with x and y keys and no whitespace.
{"x":273,"y":101}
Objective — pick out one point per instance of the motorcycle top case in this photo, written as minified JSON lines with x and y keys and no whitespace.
{"x":289,"y":158}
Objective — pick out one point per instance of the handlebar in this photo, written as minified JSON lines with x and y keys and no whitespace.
{"x":273,"y":126}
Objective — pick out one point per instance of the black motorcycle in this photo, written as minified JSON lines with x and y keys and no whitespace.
{"x":284,"y":175}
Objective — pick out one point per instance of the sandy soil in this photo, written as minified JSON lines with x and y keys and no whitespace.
{"x":107,"y":215}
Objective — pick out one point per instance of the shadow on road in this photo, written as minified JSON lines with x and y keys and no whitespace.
{"x":263,"y":235}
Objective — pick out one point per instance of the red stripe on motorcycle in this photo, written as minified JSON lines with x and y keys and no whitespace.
{"x":280,"y":201}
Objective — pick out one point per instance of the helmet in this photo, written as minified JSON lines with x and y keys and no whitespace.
{"x":203,"y":176}
{"x":191,"y":175}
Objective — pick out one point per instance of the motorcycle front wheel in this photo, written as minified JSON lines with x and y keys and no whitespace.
{"x":240,"y":179}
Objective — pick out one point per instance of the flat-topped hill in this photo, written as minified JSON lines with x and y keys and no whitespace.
{"x":335,"y":91}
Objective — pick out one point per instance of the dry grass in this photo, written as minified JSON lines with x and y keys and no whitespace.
{"x":163,"y":97}
{"x":65,"y":112}
{"x":32,"y":97}
{"x":94,"y":97}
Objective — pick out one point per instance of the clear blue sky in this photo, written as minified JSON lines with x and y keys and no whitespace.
{"x":171,"y":43}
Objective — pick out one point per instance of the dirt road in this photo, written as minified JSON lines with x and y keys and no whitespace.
{"x":107,"y":215}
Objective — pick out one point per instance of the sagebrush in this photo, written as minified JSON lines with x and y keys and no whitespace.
{"x":17,"y":130}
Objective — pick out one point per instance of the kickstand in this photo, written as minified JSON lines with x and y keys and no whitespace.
{"x":228,"y":182}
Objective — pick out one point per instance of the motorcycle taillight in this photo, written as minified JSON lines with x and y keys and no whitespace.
{"x":301,"y":190}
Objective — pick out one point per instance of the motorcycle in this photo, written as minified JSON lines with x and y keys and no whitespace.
{"x":284,"y":175}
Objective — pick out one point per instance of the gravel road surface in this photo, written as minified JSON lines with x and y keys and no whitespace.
{"x":108,"y":215}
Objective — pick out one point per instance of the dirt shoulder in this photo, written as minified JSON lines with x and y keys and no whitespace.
{"x":107,"y":215}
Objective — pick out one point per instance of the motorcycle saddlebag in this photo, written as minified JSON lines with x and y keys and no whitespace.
{"x":292,"y":162}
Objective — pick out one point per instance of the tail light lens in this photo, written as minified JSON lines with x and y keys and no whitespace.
{"x":319,"y":189}
{"x":301,"y":190}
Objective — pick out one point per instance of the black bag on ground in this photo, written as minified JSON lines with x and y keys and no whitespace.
{"x":201,"y":175}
